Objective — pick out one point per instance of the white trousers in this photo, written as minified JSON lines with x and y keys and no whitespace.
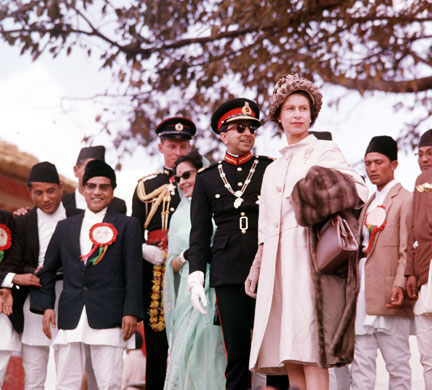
{"x":4,"y":361}
{"x":107,"y":363}
{"x":35,"y":363}
{"x":423,"y":324}
{"x":395,"y":350}
{"x":339,"y":378}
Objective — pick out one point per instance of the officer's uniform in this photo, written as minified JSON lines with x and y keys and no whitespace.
{"x":155,"y":199}
{"x":228,"y":192}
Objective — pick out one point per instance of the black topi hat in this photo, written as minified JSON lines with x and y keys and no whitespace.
{"x":385,"y":145}
{"x":99,"y":168}
{"x":44,"y":172}
{"x":94,"y":152}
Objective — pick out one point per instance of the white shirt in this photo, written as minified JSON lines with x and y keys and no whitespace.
{"x":364,"y":323}
{"x":83,"y":333}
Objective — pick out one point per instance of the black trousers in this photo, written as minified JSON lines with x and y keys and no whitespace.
{"x":156,"y":342}
{"x":236,"y":314}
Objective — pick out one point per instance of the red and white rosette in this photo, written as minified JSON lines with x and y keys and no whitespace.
{"x":375,"y":221}
{"x":102,"y":235}
{"x":5,"y":240}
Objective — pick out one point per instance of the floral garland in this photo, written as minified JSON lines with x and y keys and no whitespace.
{"x":157,"y":317}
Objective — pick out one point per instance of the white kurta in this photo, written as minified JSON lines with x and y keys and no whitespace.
{"x":285,"y":324}
{"x":32,"y":333}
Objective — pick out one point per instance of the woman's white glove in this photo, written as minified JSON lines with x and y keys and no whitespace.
{"x":195,"y":283}
{"x":153,"y":254}
{"x":254,"y":272}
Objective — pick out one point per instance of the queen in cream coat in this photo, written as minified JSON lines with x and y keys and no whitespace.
{"x":286,"y":334}
{"x":285,"y":328}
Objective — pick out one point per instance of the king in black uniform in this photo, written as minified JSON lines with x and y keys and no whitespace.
{"x":228,"y":192}
{"x":155,"y":199}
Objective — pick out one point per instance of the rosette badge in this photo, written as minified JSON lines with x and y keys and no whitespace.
{"x":5,"y":240}
{"x":102,"y":235}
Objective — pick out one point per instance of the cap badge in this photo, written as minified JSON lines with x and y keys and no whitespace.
{"x":246,"y":109}
{"x":179,"y":127}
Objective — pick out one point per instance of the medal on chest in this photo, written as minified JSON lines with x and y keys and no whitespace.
{"x":375,"y":221}
{"x":239,"y":193}
{"x":5,"y":240}
{"x":102,"y":235}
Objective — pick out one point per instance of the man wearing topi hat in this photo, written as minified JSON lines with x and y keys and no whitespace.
{"x":76,"y":199}
{"x":35,"y":229}
{"x":155,"y":199}
{"x":100,"y":254}
{"x":228,"y":192}
{"x":418,"y":269}
{"x":383,"y":314}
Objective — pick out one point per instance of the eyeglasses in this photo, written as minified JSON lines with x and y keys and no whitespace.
{"x":102,"y":187}
{"x":428,"y":154}
{"x":185,"y":175}
{"x":241,"y":127}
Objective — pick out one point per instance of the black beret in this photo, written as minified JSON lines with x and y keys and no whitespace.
{"x":44,"y":172}
{"x":99,"y":168}
{"x":234,"y":110}
{"x":385,"y":145}
{"x":94,"y":152}
{"x":176,"y":127}
{"x":426,"y":139}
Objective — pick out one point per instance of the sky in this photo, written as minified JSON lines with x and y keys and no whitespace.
{"x":38,"y":116}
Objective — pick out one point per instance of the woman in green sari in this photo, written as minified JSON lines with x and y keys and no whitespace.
{"x":196,"y":355}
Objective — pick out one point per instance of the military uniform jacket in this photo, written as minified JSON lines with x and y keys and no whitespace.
{"x":232,"y":252}
{"x":141,"y":209}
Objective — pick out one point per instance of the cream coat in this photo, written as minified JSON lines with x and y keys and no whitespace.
{"x":277,"y":219}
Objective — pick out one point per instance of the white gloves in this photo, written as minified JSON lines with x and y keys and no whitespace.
{"x":195,"y":283}
{"x":254,"y":272}
{"x":153,"y":254}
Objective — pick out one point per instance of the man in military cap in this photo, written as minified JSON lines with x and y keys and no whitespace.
{"x":228,"y":192}
{"x":76,"y":199}
{"x":155,"y":199}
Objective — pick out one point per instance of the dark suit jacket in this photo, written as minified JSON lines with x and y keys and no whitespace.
{"x":109,"y":290}
{"x":117,"y":205}
{"x":24,"y":259}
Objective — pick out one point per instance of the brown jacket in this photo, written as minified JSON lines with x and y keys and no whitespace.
{"x":421,"y":232}
{"x":386,"y":260}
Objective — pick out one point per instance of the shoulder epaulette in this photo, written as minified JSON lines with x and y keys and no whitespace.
{"x":207,"y":167}
{"x":266,"y":158}
{"x":148,"y":176}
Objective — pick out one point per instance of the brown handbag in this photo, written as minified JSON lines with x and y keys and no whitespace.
{"x":335,"y":244}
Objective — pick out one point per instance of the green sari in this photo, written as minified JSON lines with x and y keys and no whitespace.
{"x":196,"y":355}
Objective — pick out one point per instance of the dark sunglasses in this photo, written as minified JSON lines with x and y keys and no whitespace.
{"x":241,"y":127}
{"x":103,"y":187}
{"x":185,"y":175}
